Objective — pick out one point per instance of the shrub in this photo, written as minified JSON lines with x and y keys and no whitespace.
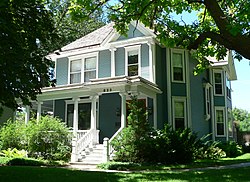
{"x":12,"y":135}
{"x":122,"y":166}
{"x":50,"y":139}
{"x":231,"y":148}
{"x":210,"y":150}
{"x":134,"y":143}
{"x":11,"y":153}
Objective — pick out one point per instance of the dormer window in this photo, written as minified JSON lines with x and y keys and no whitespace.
{"x":132,"y":60}
{"x":75,"y":71}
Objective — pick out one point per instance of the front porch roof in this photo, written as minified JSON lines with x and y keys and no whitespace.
{"x":135,"y":84}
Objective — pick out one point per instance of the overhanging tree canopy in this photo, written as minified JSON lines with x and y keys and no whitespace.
{"x":220,"y":24}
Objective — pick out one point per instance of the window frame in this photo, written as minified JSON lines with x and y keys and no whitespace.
{"x":224,"y":121}
{"x":179,"y":99}
{"x":230,"y":115}
{"x":208,"y":110}
{"x":228,"y":89}
{"x":183,"y":66}
{"x":82,"y":58}
{"x":70,"y":102}
{"x":222,"y":82}
{"x":127,"y":50}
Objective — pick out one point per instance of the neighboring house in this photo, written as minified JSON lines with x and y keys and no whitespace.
{"x":97,"y":73}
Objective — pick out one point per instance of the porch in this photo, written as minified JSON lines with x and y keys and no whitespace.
{"x":95,"y":110}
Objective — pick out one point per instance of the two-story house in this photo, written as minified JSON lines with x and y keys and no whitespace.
{"x":97,"y":73}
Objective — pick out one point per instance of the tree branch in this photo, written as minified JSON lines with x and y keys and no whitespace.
{"x":212,"y":35}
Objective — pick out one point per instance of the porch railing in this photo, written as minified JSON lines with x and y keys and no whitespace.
{"x":83,"y":139}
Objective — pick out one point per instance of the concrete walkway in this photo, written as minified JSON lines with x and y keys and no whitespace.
{"x":94,"y":168}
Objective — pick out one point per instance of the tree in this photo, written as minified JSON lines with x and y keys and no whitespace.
{"x":242,"y":119}
{"x":30,"y":30}
{"x":220,"y":25}
{"x":26,"y":30}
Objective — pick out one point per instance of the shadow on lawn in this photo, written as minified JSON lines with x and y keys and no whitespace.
{"x":39,"y":174}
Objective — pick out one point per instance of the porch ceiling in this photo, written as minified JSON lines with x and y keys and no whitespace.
{"x":123,"y":84}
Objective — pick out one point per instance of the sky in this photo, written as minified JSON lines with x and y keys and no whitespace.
{"x":241,"y":87}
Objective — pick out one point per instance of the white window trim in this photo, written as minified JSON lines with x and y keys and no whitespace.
{"x":222,"y":82}
{"x":82,"y":58}
{"x":230,"y":89}
{"x":224,"y":120}
{"x":183,"y":63}
{"x":207,"y":88}
{"x":67,"y":102}
{"x":179,"y":99}
{"x":133,"y":48}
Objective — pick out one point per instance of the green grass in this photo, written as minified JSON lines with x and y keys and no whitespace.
{"x":39,"y":174}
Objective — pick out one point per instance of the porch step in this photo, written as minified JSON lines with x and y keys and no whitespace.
{"x":93,"y":156}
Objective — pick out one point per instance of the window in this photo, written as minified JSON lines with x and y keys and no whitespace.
{"x":218,"y":83}
{"x":179,"y":113}
{"x":84,"y":115}
{"x":83,"y":68}
{"x":132,"y":60}
{"x":220,"y":121}
{"x":207,"y":101}
{"x":89,"y":69}
{"x":75,"y":71}
{"x":230,"y":122}
{"x":228,"y":84}
{"x":178,"y":73}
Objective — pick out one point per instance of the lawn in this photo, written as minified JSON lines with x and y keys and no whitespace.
{"x":41,"y":174}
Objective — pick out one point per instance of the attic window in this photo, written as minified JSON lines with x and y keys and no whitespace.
{"x":89,"y":69}
{"x":133,"y":63}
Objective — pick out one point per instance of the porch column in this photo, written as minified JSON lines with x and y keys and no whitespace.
{"x":39,"y":110}
{"x":75,"y":120}
{"x":27,"y":114}
{"x":155,"y":111}
{"x":93,"y":112}
{"x":123,"y":110}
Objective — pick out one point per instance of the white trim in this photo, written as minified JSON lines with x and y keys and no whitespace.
{"x":150,"y":57}
{"x":186,"y":54}
{"x":220,"y":108}
{"x":131,"y":42}
{"x":113,"y":61}
{"x":168,"y":78}
{"x":222,"y":82}
{"x":179,"y":99}
{"x":133,"y":48}
{"x":212,"y":107}
{"x":82,"y":57}
{"x":208,"y":99}
{"x":178,"y":51}
{"x":154,"y":63}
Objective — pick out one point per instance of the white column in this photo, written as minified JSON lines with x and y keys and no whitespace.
{"x":150,"y":56}
{"x":75,"y":120}
{"x":155,"y":111}
{"x":93,"y":112}
{"x":27,"y":114}
{"x":113,"y":61}
{"x":123,"y":110}
{"x":39,"y":110}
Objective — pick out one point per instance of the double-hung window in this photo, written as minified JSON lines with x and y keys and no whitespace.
{"x":207,"y":101}
{"x":75,"y":71}
{"x":220,"y":121}
{"x":83,"y":68}
{"x":178,"y":68}
{"x":179,"y":108}
{"x":218,"y":83}
{"x":89,"y":69}
{"x":132,"y":60}
{"x":228,"y":87}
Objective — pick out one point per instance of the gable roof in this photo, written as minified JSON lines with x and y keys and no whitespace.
{"x":94,"y":38}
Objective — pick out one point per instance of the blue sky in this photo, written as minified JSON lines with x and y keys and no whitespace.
{"x":241,"y":87}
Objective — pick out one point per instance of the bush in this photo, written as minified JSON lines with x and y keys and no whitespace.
{"x":134,"y":143}
{"x":12,"y":153}
{"x":122,"y":166}
{"x":50,"y":139}
{"x":12,"y":135}
{"x":231,"y":148}
{"x":210,"y":150}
